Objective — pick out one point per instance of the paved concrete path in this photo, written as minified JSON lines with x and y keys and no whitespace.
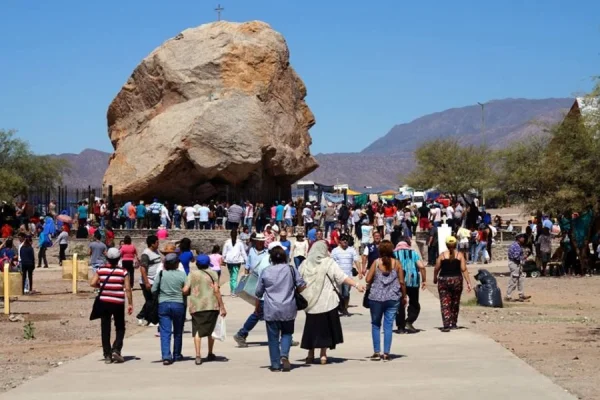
{"x":457,"y":365}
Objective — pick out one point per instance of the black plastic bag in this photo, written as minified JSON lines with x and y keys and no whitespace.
{"x":486,"y":278}
{"x":489,"y":296}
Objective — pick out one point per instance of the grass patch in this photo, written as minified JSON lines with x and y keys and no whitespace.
{"x":469,"y":303}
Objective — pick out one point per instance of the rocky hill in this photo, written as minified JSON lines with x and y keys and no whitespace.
{"x":380,"y":163}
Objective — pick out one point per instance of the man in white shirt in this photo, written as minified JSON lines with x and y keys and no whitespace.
{"x":287,"y":216}
{"x":435,"y":215}
{"x":248,"y":215}
{"x":307,"y":214}
{"x":190,"y":217}
{"x":347,"y":258}
{"x":203,"y":214}
{"x":165,"y":220}
{"x":197,"y":215}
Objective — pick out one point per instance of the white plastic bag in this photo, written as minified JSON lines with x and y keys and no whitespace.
{"x":220,"y":332}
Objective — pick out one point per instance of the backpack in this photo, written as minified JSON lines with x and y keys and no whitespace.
{"x":220,"y":212}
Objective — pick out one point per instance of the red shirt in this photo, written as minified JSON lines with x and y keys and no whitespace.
{"x":334,"y":238}
{"x":128,"y":252}
{"x":7,"y":231}
{"x":389,"y":212}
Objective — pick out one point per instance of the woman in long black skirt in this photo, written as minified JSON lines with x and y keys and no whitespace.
{"x":322,"y":329}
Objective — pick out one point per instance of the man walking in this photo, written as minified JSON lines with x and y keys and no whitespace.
{"x":515,"y":258}
{"x":140,"y":215}
{"x":329,"y":218}
{"x":347,"y":258}
{"x":248,"y":215}
{"x":155,"y":210}
{"x":235,"y":215}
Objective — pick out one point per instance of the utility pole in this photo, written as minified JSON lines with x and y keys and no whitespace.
{"x":218,"y":10}
{"x":484,"y":143}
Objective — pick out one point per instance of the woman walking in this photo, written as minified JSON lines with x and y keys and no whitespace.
{"x":129,"y":257}
{"x":234,"y":254}
{"x":279,"y":283}
{"x":168,"y":285}
{"x":323,"y":277}
{"x":388,"y":292}
{"x":27,"y":257}
{"x":450,"y":270}
{"x":114,"y":286}
{"x":205,"y":304}
{"x":186,"y":256}
{"x":299,"y":250}
{"x":63,"y":243}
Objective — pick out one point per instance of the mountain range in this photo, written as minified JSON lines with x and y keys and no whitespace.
{"x":381,"y":162}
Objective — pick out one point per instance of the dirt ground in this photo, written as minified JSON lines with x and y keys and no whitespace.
{"x":557,"y":331}
{"x":63,"y":330}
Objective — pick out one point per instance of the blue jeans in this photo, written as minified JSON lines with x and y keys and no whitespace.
{"x":130,"y":223}
{"x":248,"y":223}
{"x":279,"y":334}
{"x":177,"y":218}
{"x":251,"y":322}
{"x":389,"y":224}
{"x":472,"y":251}
{"x":298,"y":261}
{"x":329,"y":226}
{"x":480,"y":250}
{"x":387,"y":310}
{"x":171,"y":317}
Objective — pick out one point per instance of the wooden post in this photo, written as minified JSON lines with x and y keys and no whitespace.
{"x":75,"y":270}
{"x":6,"y":289}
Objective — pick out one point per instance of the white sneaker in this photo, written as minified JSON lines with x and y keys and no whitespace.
{"x":152,"y":324}
{"x":141,"y":322}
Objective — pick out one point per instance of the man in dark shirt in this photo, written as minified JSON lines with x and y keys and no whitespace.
{"x":432,"y":244}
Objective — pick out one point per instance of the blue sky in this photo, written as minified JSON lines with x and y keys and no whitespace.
{"x":367,"y":65}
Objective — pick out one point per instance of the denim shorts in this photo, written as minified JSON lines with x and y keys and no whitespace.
{"x":288,"y":223}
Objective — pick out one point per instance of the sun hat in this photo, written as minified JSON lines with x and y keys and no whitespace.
{"x":275,"y":228}
{"x":272,"y":245}
{"x":203,"y":259}
{"x":450,"y":240}
{"x":113,"y":253}
{"x":260,"y":237}
{"x":169,"y":248}
{"x":308,"y":204}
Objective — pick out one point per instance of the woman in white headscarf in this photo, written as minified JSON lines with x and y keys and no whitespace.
{"x":323,"y":278}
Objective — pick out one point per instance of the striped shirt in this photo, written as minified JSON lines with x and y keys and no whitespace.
{"x":114,"y":291}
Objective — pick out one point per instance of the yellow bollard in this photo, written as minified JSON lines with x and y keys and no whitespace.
{"x":75,"y":273}
{"x":6,"y":289}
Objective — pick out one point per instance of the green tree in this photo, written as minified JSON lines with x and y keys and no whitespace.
{"x":20,"y":169}
{"x":450,"y":167}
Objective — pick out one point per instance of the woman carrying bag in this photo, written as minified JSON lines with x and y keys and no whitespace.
{"x":205,"y":304}
{"x":280,"y":284}
{"x":323,"y":277}
{"x":114,"y":285}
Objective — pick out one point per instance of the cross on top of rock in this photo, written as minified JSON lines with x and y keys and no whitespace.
{"x":218,"y":10}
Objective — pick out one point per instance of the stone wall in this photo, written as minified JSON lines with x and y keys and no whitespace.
{"x":202,"y":241}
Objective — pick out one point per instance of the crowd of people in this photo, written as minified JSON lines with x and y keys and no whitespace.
{"x":313,"y":269}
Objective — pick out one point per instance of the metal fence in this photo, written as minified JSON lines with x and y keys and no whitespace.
{"x":66,"y":198}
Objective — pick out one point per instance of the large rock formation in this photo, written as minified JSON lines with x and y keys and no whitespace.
{"x":215,"y":111}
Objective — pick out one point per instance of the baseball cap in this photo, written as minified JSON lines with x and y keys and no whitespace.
{"x":113,"y":253}
{"x":203,"y":259}
{"x":171,"y":258}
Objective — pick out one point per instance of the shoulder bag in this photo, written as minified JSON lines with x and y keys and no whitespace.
{"x":301,"y":303}
{"x":153,"y":314}
{"x":342,"y":304}
{"x":98,"y":307}
{"x":366,"y":303}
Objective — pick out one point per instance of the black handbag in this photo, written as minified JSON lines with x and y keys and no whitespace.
{"x":366,"y":302}
{"x":342,"y":304}
{"x":98,"y":307}
{"x":301,"y":303}
{"x":153,"y":314}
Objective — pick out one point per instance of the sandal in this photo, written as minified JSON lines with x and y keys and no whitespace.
{"x":323,"y":360}
{"x":309,"y":360}
{"x":198,"y":361}
{"x":375,"y":357}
